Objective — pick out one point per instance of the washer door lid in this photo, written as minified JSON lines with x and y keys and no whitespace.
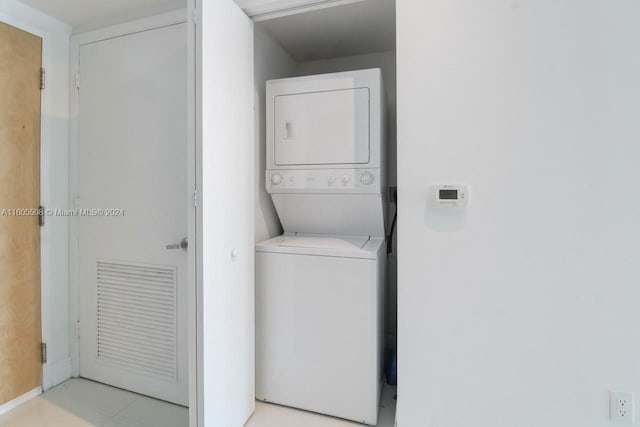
{"x":335,"y":242}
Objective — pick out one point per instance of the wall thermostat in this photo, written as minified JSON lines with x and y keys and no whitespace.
{"x":449,"y":195}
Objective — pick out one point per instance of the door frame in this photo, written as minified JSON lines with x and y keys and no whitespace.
{"x":51,"y":374}
{"x":145,"y":24}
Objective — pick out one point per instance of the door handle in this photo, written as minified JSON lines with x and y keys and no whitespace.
{"x":182,"y":245}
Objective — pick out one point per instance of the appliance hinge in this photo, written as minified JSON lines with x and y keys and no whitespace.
{"x":41,"y":216}
{"x":42,"y":78}
{"x":77,"y":329}
{"x":195,"y":198}
{"x":78,"y":80}
{"x":43,"y":352}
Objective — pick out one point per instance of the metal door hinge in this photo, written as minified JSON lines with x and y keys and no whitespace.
{"x":43,"y":352}
{"x":42,"y":78}
{"x":195,"y":198}
{"x":41,"y":216}
{"x":78,"y":80}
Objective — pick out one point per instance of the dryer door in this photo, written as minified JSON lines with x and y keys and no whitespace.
{"x":322,"y":128}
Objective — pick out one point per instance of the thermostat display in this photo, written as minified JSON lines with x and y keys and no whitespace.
{"x":449,"y":195}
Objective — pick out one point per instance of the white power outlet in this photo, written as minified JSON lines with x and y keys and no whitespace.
{"x":622,"y":406}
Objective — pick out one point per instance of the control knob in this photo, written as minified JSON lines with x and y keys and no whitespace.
{"x":345,"y":179}
{"x":366,"y":178}
{"x":276,"y":179}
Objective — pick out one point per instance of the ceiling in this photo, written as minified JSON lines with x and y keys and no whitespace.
{"x":82,"y":15}
{"x":85,"y":15}
{"x":260,"y":8}
{"x":349,"y":29}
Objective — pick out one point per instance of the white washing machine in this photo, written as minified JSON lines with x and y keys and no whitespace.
{"x":320,"y":286}
{"x":319,"y":324}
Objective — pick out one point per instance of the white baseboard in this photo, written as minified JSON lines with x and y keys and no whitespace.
{"x":12,"y":404}
{"x":56,"y":373}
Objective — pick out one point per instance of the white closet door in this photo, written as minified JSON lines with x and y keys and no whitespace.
{"x":225,"y":94}
{"x":132,"y":153}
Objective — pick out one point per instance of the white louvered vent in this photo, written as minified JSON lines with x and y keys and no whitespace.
{"x":136,"y":325}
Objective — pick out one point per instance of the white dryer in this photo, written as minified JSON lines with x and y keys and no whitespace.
{"x":319,"y":287}
{"x":325,"y":152}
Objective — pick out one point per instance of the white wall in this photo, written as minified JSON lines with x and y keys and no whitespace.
{"x":523,"y":311}
{"x":386,"y":61}
{"x":54,"y":182}
{"x":271,"y":61}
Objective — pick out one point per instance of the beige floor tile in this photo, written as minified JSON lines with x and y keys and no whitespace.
{"x":41,"y":413}
{"x":94,"y":402}
{"x":84,"y":403}
{"x":148,"y":412}
{"x":271,"y":415}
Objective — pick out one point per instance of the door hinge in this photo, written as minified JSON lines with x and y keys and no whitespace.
{"x":77,"y":329}
{"x":41,"y":216}
{"x":43,"y":352}
{"x":42,"y":78}
{"x":78,"y":80}
{"x":195,"y":198}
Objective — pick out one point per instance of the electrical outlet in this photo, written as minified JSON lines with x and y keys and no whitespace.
{"x":622,"y":406}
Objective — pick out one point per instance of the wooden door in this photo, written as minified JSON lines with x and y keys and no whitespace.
{"x":20,"y":328}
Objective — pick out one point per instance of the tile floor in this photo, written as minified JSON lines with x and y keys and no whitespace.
{"x":79,"y":402}
{"x":83,"y":403}
{"x":270,"y":415}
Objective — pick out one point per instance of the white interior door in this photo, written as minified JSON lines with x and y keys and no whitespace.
{"x":132,"y":153}
{"x":224,"y":110}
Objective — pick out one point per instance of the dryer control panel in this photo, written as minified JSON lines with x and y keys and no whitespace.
{"x":360,"y":181}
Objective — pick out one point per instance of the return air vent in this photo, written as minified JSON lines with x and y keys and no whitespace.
{"x":136,"y":324}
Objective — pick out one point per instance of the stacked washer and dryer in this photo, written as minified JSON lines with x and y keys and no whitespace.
{"x":320,"y":285}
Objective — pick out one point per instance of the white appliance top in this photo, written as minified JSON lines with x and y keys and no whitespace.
{"x":341,"y":243}
{"x":364,"y":247}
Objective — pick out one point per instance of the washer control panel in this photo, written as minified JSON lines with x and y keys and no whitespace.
{"x":323,"y":181}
